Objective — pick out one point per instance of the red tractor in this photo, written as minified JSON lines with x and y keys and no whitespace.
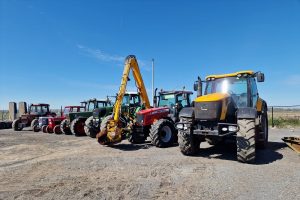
{"x":53,"y":125}
{"x":31,"y":118}
{"x":159,"y":122}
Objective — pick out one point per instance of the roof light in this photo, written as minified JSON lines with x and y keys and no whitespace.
{"x":239,"y":75}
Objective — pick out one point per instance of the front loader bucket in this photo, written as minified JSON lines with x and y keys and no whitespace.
{"x":293,"y":143}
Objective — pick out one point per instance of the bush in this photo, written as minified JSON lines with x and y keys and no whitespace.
{"x":285,"y":122}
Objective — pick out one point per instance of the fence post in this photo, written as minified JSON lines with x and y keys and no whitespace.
{"x":272,"y":118}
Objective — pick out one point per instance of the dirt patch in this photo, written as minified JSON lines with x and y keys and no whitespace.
{"x":48,"y":166}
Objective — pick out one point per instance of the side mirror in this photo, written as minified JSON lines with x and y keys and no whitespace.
{"x":260,"y":77}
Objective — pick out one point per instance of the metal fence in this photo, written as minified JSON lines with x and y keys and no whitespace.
{"x":291,"y":112}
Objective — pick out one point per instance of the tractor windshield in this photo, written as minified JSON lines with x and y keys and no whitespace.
{"x":236,"y":87}
{"x":101,"y":104}
{"x":91,"y":106}
{"x":131,"y":100}
{"x":67,"y":110}
{"x":167,"y":100}
{"x":39,"y":110}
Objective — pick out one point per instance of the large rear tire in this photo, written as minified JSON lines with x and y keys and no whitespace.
{"x":245,"y":141}
{"x":16,"y":125}
{"x":162,"y":133}
{"x":89,"y":129}
{"x":64,"y":127}
{"x":34,"y":125}
{"x":189,"y":144}
{"x":77,"y":127}
{"x":57,"y":130}
{"x":263,"y":131}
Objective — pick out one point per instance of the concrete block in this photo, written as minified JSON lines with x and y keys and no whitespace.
{"x":22,"y":108}
{"x":12,"y":111}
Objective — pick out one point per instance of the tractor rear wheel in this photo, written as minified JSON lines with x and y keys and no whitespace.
{"x":263,"y":131}
{"x":44,"y":128}
{"x":162,"y":133}
{"x":49,"y":130}
{"x":77,"y":127}
{"x":16,"y":125}
{"x":64,"y":128}
{"x":34,"y":125}
{"x":89,"y":129}
{"x":189,"y":144}
{"x":57,"y":130}
{"x":245,"y":141}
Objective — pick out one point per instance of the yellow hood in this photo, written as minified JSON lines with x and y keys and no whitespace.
{"x":211,"y":97}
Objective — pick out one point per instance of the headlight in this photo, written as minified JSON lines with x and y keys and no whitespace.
{"x":179,"y":126}
{"x":232,"y":128}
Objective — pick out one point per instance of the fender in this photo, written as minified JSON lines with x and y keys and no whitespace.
{"x":187,"y":112}
{"x":246,"y":113}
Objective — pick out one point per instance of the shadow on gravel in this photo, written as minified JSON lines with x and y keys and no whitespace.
{"x":228,"y":152}
{"x":131,"y":147}
{"x":270,"y":154}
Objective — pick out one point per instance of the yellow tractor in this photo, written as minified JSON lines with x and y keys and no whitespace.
{"x":117,"y":126}
{"x":230,"y":108}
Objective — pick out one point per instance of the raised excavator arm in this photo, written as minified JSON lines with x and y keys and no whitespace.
{"x":113,"y":130}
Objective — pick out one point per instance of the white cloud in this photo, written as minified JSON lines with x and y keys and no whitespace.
{"x":102,"y":56}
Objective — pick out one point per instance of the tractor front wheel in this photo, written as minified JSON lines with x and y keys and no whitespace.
{"x":16,"y":125}
{"x":49,"y":130}
{"x":162,"y":133}
{"x":57,"y":130}
{"x":89,"y":129}
{"x":64,"y":128}
{"x":34,"y":125}
{"x":77,"y":127}
{"x":44,"y":128}
{"x":245,"y":141}
{"x":189,"y":144}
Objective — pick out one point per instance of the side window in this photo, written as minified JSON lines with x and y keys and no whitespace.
{"x":254,"y":92}
{"x":91,"y":106}
{"x":182,"y":102}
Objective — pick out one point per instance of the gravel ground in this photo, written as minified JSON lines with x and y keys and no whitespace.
{"x":47,"y":166}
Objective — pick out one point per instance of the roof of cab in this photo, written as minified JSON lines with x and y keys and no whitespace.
{"x":249,"y":72}
{"x":176,"y":92}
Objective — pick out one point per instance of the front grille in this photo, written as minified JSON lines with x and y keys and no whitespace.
{"x":208,"y":110}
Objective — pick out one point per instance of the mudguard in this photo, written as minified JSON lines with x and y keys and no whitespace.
{"x":246,"y":113}
{"x":187,"y":112}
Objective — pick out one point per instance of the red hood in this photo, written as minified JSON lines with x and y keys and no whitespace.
{"x":153,"y":110}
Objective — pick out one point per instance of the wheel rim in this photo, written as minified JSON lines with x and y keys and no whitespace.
{"x":166,"y":134}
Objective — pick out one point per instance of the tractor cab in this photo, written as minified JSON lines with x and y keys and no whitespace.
{"x":131,"y":103}
{"x":39,"y":109}
{"x":174,"y":100}
{"x":94,"y":103}
{"x":69,"y":109}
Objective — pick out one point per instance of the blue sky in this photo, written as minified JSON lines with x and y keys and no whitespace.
{"x":63,"y":52}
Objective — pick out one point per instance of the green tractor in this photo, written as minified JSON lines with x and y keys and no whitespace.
{"x":75,"y":121}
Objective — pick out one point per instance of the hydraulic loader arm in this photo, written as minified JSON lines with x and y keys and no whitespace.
{"x":130,"y":63}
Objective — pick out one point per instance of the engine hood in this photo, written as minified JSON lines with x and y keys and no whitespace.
{"x":153,"y":110}
{"x":211,"y":97}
